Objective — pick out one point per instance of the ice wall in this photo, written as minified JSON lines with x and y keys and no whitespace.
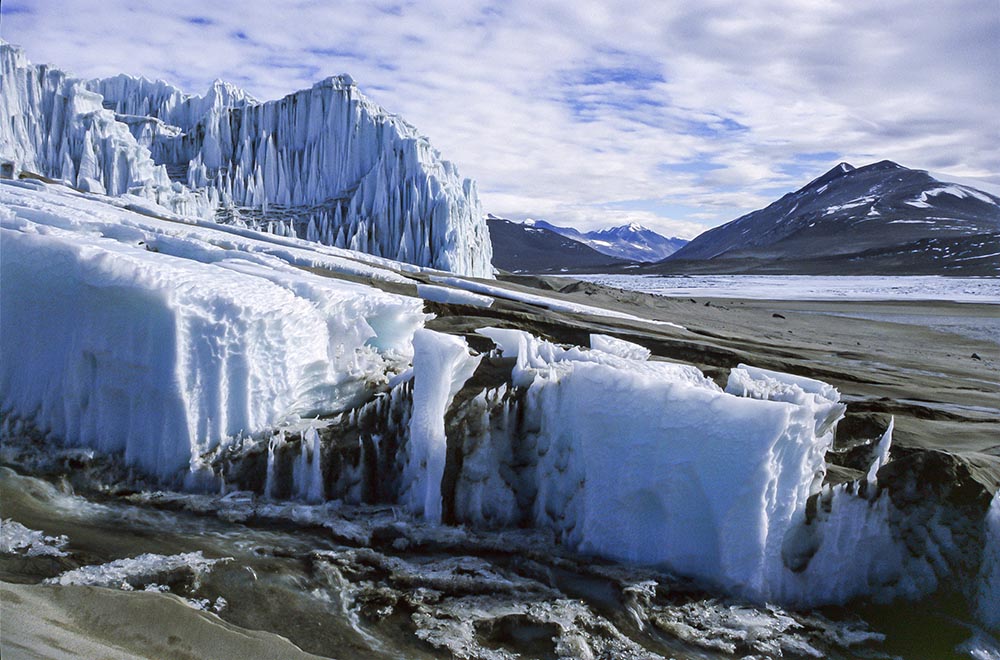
{"x":651,"y":462}
{"x":141,"y":337}
{"x":324,"y":164}
{"x":53,"y":126}
{"x":362,"y":178}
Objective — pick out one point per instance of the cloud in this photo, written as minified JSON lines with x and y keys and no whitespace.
{"x":679,"y":115}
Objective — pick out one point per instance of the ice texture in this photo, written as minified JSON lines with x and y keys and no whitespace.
{"x":452,"y":296}
{"x":441,"y":365}
{"x":159,"y":340}
{"x":331,"y":165}
{"x":53,"y":126}
{"x":619,"y":347}
{"x":651,"y":462}
{"x":15,"y":538}
{"x":140,"y":572}
{"x":988,"y":596}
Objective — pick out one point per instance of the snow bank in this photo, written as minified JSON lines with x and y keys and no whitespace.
{"x":160,"y":340}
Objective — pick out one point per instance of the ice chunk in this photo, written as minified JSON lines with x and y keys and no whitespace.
{"x":441,"y":365}
{"x":452,"y":296}
{"x":619,"y":347}
{"x":988,"y":597}
{"x":160,"y":340}
{"x":881,"y":453}
{"x":15,"y":538}
{"x":651,"y":462}
{"x":141,"y":571}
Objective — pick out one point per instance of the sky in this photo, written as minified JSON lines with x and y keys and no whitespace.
{"x":678,"y":115}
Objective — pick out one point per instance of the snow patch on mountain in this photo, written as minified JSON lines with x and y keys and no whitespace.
{"x":631,"y":241}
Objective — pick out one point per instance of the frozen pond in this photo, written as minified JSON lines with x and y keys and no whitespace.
{"x":811,"y":287}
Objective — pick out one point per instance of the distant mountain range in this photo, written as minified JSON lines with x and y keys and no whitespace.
{"x":629,"y":242}
{"x":539,"y":246}
{"x":881,"y":218}
{"x":533,"y":248}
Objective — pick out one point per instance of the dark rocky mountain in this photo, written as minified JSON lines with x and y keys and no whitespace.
{"x":631,"y":241}
{"x":881,"y":218}
{"x":533,"y":248}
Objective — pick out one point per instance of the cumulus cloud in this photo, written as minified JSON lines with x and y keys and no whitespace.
{"x":678,"y":115}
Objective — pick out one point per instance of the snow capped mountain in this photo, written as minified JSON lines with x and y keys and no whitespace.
{"x":879,"y":218}
{"x":633,"y":242}
{"x":533,"y":247}
{"x":630,"y":242}
{"x":325,"y":163}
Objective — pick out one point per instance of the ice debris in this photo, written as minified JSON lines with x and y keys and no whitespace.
{"x":168,"y":572}
{"x":15,"y":538}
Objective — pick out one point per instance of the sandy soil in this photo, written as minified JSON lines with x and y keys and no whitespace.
{"x":88,"y":622}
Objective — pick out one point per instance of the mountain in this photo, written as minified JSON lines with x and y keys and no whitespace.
{"x":881,"y":218}
{"x":325,"y":163}
{"x":631,"y":242}
{"x":533,"y":247}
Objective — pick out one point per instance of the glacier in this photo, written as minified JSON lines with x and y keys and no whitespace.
{"x":147,"y":339}
{"x":221,"y":359}
{"x":326,"y":164}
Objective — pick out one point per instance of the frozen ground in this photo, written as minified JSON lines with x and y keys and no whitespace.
{"x":811,"y":287}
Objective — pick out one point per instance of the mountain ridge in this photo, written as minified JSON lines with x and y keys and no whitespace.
{"x":881,"y":217}
{"x":630,"y":241}
{"x":523,"y":247}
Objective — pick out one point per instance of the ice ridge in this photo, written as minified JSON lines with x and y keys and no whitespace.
{"x":325,"y":163}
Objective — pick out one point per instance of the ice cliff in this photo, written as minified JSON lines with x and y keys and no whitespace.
{"x":325,"y":164}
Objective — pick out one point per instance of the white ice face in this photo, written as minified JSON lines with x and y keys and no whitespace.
{"x":159,"y":339}
{"x":359,"y":177}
